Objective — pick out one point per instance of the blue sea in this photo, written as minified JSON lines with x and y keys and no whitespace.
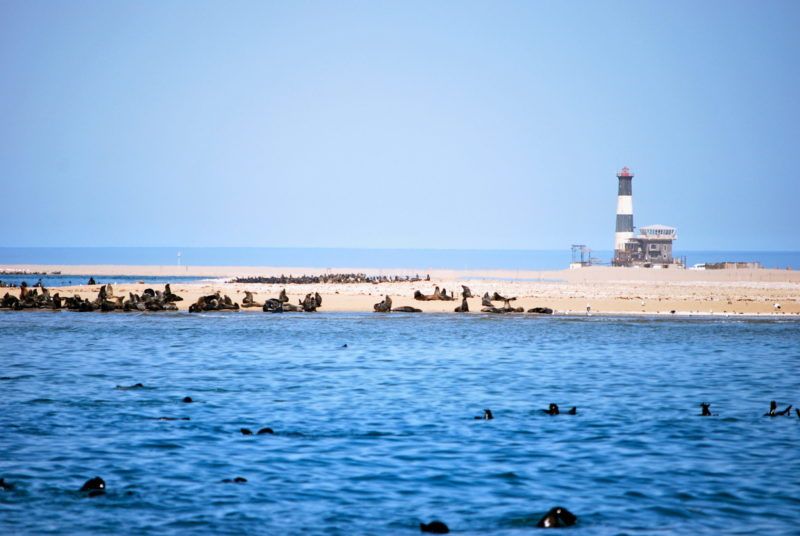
{"x":51,"y":280}
{"x":458,"y":259}
{"x":374,"y":437}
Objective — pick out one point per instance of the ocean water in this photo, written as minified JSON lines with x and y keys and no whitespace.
{"x":51,"y":280}
{"x":459,"y":259}
{"x":377,"y":436}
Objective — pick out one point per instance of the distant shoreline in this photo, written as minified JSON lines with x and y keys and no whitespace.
{"x":594,"y":273}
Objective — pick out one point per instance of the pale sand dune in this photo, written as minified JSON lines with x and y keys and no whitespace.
{"x":605,"y":290}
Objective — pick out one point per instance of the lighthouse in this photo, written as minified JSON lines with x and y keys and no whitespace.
{"x":624,"y":230}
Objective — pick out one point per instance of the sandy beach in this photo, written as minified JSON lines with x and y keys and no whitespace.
{"x":602,"y":290}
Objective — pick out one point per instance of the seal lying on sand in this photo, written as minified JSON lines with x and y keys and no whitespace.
{"x":437,"y":295}
{"x":556,"y":518}
{"x":150,"y":300}
{"x":541,"y":310}
{"x":311,"y":302}
{"x":248,"y":300}
{"x":406,"y":309}
{"x":434,"y":527}
{"x":505,"y":309}
{"x":213,"y":302}
{"x":273,"y":306}
{"x":384,"y":306}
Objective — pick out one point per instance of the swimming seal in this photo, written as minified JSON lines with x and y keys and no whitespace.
{"x":556,"y":518}
{"x":94,"y":487}
{"x":237,"y":480}
{"x":6,"y":486}
{"x":129,"y":387}
{"x":773,"y":410}
{"x":246,"y":431}
{"x":266,"y":430}
{"x":434,"y":527}
{"x":552,"y":410}
{"x":187,"y":400}
{"x":706,"y":411}
{"x":487,"y":416}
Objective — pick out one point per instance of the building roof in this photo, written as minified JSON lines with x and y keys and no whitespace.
{"x":657,"y":227}
{"x":658,"y":231}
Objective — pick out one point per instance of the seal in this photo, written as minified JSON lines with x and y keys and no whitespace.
{"x":6,"y":486}
{"x":773,"y":410}
{"x":187,"y":400}
{"x":266,"y":430}
{"x":130,"y":387}
{"x":706,"y":411}
{"x":384,"y":306}
{"x":237,"y":480}
{"x":94,"y":487}
{"x":434,"y":527}
{"x":552,"y":410}
{"x":487,"y":416}
{"x":246,"y":431}
{"x":556,"y":518}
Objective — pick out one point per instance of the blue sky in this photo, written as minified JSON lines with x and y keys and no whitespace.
{"x":397,"y":124}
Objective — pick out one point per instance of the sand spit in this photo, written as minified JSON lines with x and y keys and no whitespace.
{"x":601,"y":290}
